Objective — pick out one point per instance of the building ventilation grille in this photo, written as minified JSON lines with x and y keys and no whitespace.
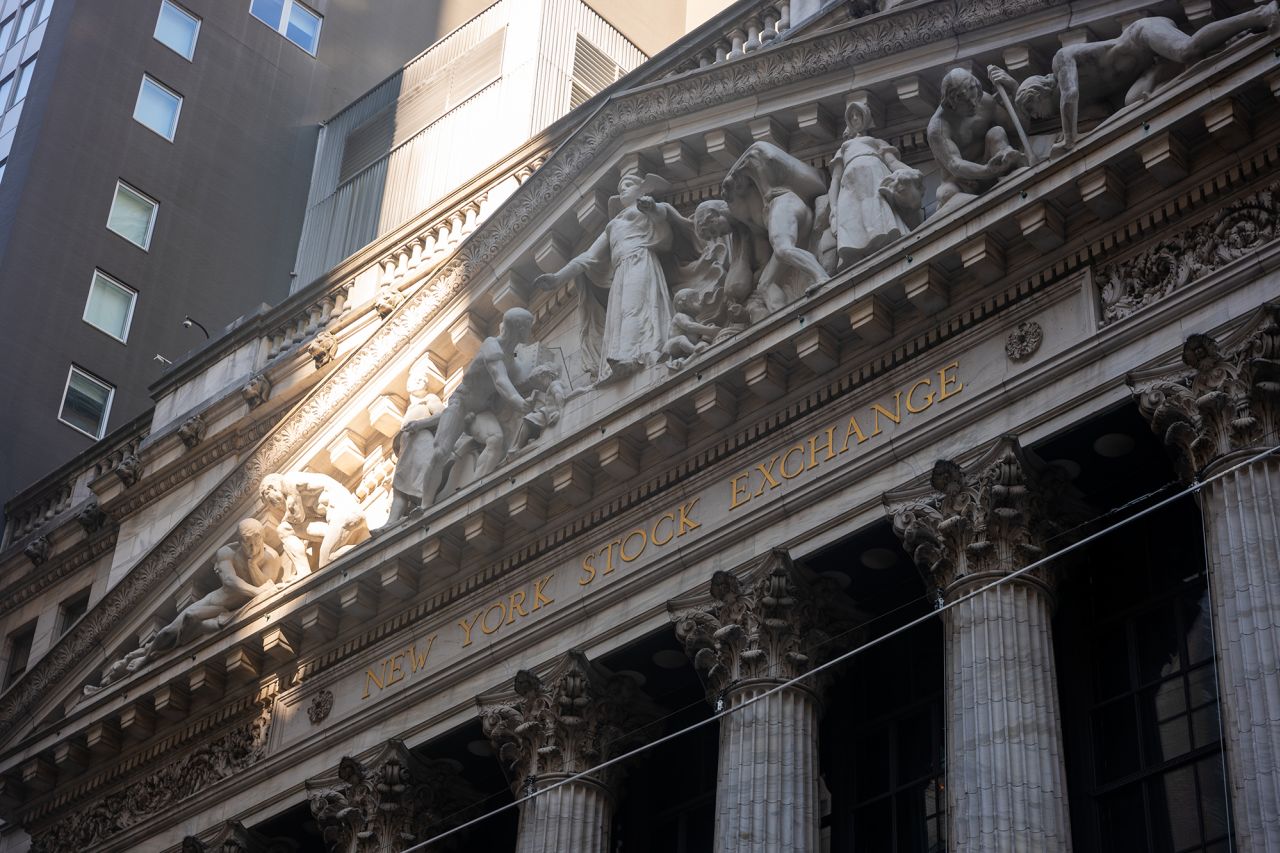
{"x":424,"y":104}
{"x":593,"y":71}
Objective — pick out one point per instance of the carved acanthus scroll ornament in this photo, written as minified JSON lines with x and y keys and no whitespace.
{"x":1232,"y":233}
{"x":388,"y":801}
{"x":566,"y":722}
{"x":229,"y":753}
{"x":977,"y":524}
{"x":1223,"y":398}
{"x":776,"y":623}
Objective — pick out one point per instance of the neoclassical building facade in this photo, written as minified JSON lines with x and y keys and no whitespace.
{"x":851,"y":432}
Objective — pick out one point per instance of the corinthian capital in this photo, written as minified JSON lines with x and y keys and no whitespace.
{"x":772,"y":621}
{"x":387,"y":800}
{"x":968,"y":525}
{"x":565,"y":721}
{"x":1222,"y":397}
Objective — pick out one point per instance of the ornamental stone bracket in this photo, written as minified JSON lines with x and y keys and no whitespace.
{"x":565,"y":721}
{"x":773,"y":621}
{"x":971,"y":525}
{"x":233,"y":837}
{"x":1222,"y":398}
{"x":388,"y":799}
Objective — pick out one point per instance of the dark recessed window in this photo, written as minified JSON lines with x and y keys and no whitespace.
{"x":72,"y":609}
{"x":86,"y":403}
{"x":19,"y":653}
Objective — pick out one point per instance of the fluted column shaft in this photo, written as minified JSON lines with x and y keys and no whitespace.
{"x":1242,"y":512}
{"x":1006,"y":785}
{"x":767,"y":784}
{"x":573,"y":818}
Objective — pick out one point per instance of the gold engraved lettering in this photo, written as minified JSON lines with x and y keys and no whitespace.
{"x":928,"y":400}
{"x":896,"y":415}
{"x":782,"y":469}
{"x":516,"y":606}
{"x":369,"y":676}
{"x":538,"y":598}
{"x":666,"y":516}
{"x":829,"y":444}
{"x":944,"y":380}
{"x":608,"y":555}
{"x":588,"y":570}
{"x":852,"y":430}
{"x":397,"y":674}
{"x":417,"y":661}
{"x":686,"y":511}
{"x":501,"y":607}
{"x":622,"y":549}
{"x":466,"y":628}
{"x":766,"y":472}
{"x":736,"y":489}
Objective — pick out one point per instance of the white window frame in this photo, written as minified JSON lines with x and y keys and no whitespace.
{"x":133,"y":302}
{"x":151,"y":225}
{"x":18,"y":81}
{"x":283,"y":27}
{"x":195,"y":37}
{"x":106,"y":411}
{"x":173,"y":127}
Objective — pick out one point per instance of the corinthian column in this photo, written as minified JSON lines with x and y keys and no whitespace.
{"x":557,"y":725}
{"x":387,"y":799}
{"x":748,"y":635}
{"x":1006,"y":784}
{"x":1221,"y":406}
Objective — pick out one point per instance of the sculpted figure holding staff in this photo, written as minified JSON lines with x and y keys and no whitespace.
{"x":1130,"y":63}
{"x":969,"y":136}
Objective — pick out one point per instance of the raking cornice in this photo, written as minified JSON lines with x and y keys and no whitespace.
{"x":791,"y":61}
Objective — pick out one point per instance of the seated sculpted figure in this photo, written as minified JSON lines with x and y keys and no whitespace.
{"x":969,"y":137}
{"x":314,"y":508}
{"x":1130,"y":63}
{"x":875,"y":198}
{"x":688,"y":336}
{"x":488,"y":383}
{"x":245,"y":568}
{"x":775,"y":192}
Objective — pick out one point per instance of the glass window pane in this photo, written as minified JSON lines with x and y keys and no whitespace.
{"x":24,"y":79}
{"x":110,"y":306}
{"x":84,"y":406}
{"x":131,"y":216}
{"x":177,"y":30}
{"x":6,"y":31}
{"x":304,"y":28}
{"x":46,"y":9}
{"x":157,"y":108}
{"x":23,"y":20}
{"x":3,"y":163}
{"x":267,"y":11}
{"x":6,"y":88}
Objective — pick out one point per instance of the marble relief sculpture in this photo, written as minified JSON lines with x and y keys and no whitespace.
{"x":313,"y":509}
{"x":245,"y":568}
{"x":688,"y":337}
{"x":775,"y":192}
{"x":1148,"y":52}
{"x":415,"y":442}
{"x":874,"y":197}
{"x":626,"y":266}
{"x":475,"y":407}
{"x":969,"y":136}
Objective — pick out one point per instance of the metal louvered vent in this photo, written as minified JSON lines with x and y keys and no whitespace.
{"x":423,"y":105}
{"x":593,"y":70}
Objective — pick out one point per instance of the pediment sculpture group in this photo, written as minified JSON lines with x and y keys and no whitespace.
{"x":659,"y":287}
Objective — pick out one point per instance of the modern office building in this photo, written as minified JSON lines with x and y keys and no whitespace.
{"x":811,"y":409}
{"x":158,"y":161}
